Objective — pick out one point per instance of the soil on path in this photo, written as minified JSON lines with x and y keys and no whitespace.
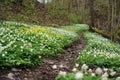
{"x":64,"y":62}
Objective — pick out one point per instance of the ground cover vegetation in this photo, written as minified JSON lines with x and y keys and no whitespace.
{"x":29,"y":45}
{"x":22,"y":44}
{"x":99,"y":59}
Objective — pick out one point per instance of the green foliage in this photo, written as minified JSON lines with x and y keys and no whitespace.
{"x":74,"y":18}
{"x":71,"y":76}
{"x":22,"y":44}
{"x":98,"y":60}
{"x":100,"y":51}
{"x":57,"y":9}
{"x":76,"y":27}
{"x":89,"y":77}
{"x":54,"y":25}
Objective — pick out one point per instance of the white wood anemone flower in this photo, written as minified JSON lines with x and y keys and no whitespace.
{"x":62,"y":73}
{"x":93,"y":74}
{"x":84,"y":67}
{"x":54,"y":66}
{"x":44,"y":1}
{"x":118,"y":78}
{"x":113,"y":73}
{"x":104,"y":78}
{"x":105,"y":75}
{"x":105,"y":69}
{"x":76,"y":65}
{"x":99,"y":71}
{"x":74,"y":69}
{"x":11,"y":76}
{"x":90,"y":70}
{"x":79,"y":76}
{"x":61,"y":66}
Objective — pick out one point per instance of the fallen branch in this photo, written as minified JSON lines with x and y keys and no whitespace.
{"x":105,"y":34}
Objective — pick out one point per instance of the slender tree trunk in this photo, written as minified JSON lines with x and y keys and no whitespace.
{"x":113,"y":18}
{"x":109,"y":14}
{"x":91,"y":13}
{"x":83,"y":11}
{"x":78,"y":10}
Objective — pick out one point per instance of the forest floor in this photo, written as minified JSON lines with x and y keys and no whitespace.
{"x":64,"y":62}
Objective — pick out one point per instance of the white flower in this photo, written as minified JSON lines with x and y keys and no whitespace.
{"x":74,"y":69}
{"x":105,"y":69}
{"x":118,"y":78}
{"x":76,"y":65}
{"x":92,"y":74}
{"x":11,"y":76}
{"x":31,"y":50}
{"x":3,"y":55}
{"x":90,"y":70}
{"x":39,"y":56}
{"x":105,"y":75}
{"x":98,"y":71}
{"x":112,"y":73}
{"x":104,"y":78}
{"x":62,"y":73}
{"x":42,"y":1}
{"x":21,"y":50}
{"x":79,"y":76}
{"x":84,"y":67}
{"x":54,"y":66}
{"x":95,"y":55}
{"x":21,"y":47}
{"x":61,"y":66}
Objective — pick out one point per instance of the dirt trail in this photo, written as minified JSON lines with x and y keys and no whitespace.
{"x":64,"y":62}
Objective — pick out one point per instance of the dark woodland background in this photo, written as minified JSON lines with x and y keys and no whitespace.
{"x":103,"y":16}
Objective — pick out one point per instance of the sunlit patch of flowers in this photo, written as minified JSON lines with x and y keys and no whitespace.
{"x":100,"y":51}
{"x":22,"y":44}
{"x":86,"y":74}
{"x":76,"y":27}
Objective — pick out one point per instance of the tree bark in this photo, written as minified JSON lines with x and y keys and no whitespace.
{"x":91,"y":2}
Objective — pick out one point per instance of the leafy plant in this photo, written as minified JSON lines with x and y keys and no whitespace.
{"x":76,"y":27}
{"x":22,"y":44}
{"x":100,"y":52}
{"x":71,"y":76}
{"x":74,"y":18}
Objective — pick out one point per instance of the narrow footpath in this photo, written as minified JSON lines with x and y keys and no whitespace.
{"x":51,"y":66}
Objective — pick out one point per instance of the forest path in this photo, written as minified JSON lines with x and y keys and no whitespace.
{"x":51,"y":66}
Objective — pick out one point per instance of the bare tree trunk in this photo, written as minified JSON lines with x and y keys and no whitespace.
{"x":83,"y":11}
{"x":91,"y":13}
{"x":44,"y":15}
{"x":78,"y":9}
{"x":109,"y":14}
{"x":113,"y":18}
